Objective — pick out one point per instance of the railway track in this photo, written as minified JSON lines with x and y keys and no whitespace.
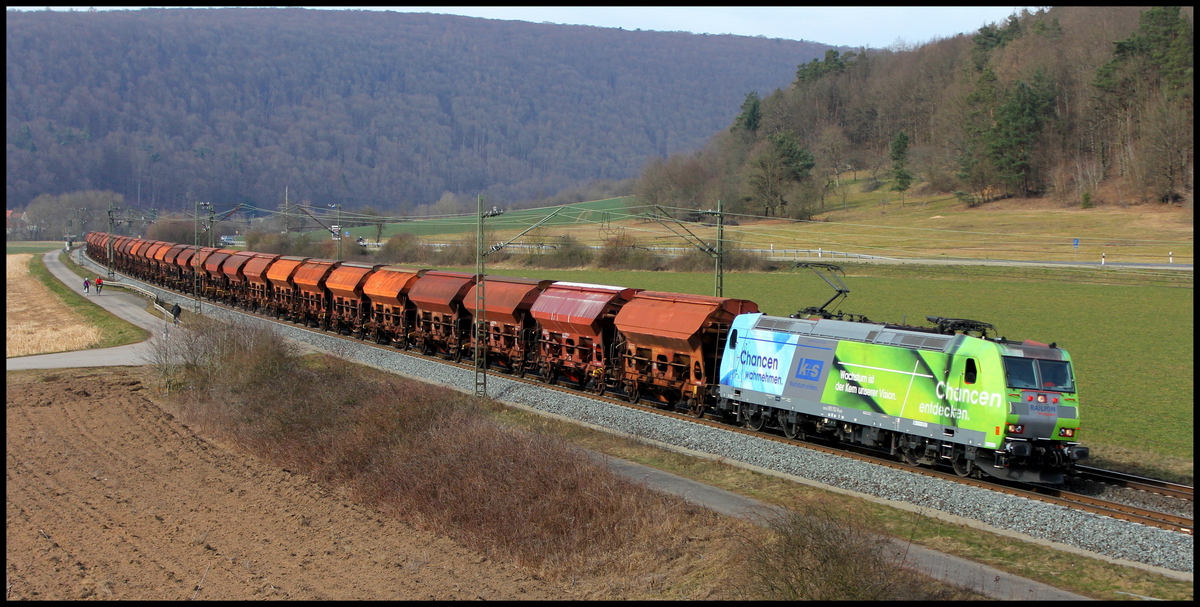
{"x":1150,"y":485}
{"x":1055,"y":496}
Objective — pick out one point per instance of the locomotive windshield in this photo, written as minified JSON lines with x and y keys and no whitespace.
{"x":1038,"y":374}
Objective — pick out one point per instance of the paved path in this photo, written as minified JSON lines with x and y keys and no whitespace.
{"x":128,"y":305}
{"x":951,"y":569}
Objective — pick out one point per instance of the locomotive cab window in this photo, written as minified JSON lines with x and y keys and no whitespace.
{"x":1020,"y":373}
{"x":1055,"y":375}
{"x":733,"y":338}
{"x":971,"y":372}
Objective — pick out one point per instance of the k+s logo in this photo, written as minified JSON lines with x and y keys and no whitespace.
{"x":809,"y":369}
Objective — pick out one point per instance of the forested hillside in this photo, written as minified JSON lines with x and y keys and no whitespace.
{"x":1087,"y":105}
{"x":356,"y":108}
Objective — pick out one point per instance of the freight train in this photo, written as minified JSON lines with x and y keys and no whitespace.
{"x":949,"y":394}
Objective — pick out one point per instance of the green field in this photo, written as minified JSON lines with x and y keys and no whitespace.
{"x":31,"y":246}
{"x":1132,"y":344}
{"x":584,"y":213}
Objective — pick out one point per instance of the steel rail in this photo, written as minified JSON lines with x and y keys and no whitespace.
{"x":1150,"y":485}
{"x":1064,"y":498}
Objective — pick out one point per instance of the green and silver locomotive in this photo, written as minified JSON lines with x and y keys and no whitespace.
{"x":950,"y":394}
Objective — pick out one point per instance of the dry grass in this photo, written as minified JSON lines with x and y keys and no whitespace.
{"x":446,"y":462}
{"x":435,"y":458}
{"x":36,"y":322}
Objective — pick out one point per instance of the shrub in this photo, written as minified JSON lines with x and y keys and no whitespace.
{"x":822,"y":553}
{"x":569,"y":253}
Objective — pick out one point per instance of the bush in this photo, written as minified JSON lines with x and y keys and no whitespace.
{"x":1086,"y":201}
{"x":569,"y":253}
{"x":870,"y":184}
{"x":823,"y":553}
{"x":425,"y":454}
{"x":622,"y":252}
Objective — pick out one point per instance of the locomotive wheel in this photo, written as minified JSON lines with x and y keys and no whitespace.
{"x":962,"y":466}
{"x":792,"y":430}
{"x":907,"y":454}
{"x":754,"y":421}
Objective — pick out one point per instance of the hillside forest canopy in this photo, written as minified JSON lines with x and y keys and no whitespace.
{"x":357,"y":108}
{"x":1064,"y":103}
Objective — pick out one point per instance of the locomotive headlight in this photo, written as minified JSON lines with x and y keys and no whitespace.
{"x":1066,"y":432}
{"x":1016,"y":428}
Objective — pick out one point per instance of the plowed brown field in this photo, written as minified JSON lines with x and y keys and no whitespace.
{"x":108,"y":496}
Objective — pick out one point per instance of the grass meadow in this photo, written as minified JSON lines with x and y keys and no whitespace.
{"x":1132,"y":344}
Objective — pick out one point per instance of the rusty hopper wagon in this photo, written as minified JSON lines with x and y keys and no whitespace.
{"x":282,"y":275}
{"x":170,"y":268}
{"x":578,"y":337}
{"x":235,"y":277}
{"x":146,"y":261}
{"x":158,"y":264}
{"x":673,"y":343}
{"x":258,"y":288}
{"x":349,"y":309}
{"x":183,"y":266}
{"x":443,"y":324}
{"x":313,"y":297}
{"x":213,"y":282}
{"x":511,"y":343}
{"x":392,"y":313}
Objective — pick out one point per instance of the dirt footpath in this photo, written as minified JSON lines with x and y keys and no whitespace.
{"x":107,"y":496}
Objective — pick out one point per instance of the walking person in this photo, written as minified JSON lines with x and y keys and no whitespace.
{"x":99,"y":284}
{"x":175,"y":310}
{"x":87,"y":285}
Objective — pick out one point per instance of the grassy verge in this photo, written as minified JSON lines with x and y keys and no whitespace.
{"x":1081,"y":575}
{"x":114,"y":331}
{"x":31,"y":246}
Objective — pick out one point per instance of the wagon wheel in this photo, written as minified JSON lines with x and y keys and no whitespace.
{"x":633,"y":394}
{"x":550,"y":375}
{"x":380,"y":337}
{"x":520,"y":369}
{"x":695,"y":408}
{"x":457,"y":355}
{"x":426,"y":347}
{"x":754,"y":421}
{"x":599,"y":385}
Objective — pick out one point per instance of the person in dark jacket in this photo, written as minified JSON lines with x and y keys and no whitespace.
{"x":175,"y":311}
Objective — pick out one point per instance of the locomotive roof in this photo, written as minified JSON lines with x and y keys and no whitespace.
{"x":856,"y":331}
